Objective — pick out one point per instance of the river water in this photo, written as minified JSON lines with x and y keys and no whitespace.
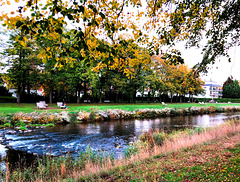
{"x":111,"y":137}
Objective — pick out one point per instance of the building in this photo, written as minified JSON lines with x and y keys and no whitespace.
{"x":212,"y":90}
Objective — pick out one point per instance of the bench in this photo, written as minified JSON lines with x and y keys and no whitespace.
{"x":60,"y":104}
{"x":86,"y":101}
{"x":40,"y":105}
{"x":43,"y":103}
{"x":163,"y":103}
{"x":106,"y":101}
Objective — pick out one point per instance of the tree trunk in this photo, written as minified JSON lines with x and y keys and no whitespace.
{"x":28,"y":89}
{"x":160,"y":98}
{"x":19,"y":94}
{"x":51,"y":96}
{"x":134,"y":95}
{"x":85,"y":90}
{"x":117,"y":97}
{"x":78,"y":96}
{"x":93,"y":99}
{"x":100,"y":95}
{"x":153,"y":96}
{"x":149,"y":96}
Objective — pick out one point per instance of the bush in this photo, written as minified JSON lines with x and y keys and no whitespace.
{"x":41,"y":118}
{"x":23,"y":128}
{"x":130,"y":150}
{"x":159,"y":137}
{"x":3,"y":119}
{"x":147,"y":138}
{"x":7,"y":125}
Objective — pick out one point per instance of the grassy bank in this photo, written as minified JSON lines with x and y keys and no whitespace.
{"x":212,"y":154}
{"x":28,"y":113}
{"x":218,"y":160}
{"x":12,"y":108}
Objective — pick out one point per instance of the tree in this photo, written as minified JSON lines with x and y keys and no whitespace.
{"x":176,"y":80}
{"x":22,"y":62}
{"x":194,"y":20}
{"x":231,"y":88}
{"x":172,"y":20}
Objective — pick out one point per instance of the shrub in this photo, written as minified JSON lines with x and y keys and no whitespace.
{"x":110,"y":114}
{"x":131,"y":150}
{"x":23,"y":128}
{"x":211,"y":109}
{"x":159,"y":137}
{"x":83,"y":116}
{"x":147,"y":138}
{"x":3,"y":119}
{"x":7,"y":125}
{"x":93,"y":113}
{"x":41,"y":118}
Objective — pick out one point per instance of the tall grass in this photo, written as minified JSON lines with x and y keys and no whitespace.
{"x":88,"y":163}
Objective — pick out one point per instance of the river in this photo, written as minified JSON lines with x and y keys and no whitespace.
{"x":111,"y":137}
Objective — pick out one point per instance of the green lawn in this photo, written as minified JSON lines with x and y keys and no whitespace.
{"x":11,"y":108}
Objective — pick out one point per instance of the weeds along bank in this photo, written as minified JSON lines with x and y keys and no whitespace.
{"x":112,"y":114}
{"x":35,"y":118}
{"x":89,"y":166}
{"x":20,"y":121}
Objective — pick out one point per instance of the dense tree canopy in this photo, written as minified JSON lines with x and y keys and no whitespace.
{"x":217,"y":21}
{"x":231,"y":88}
{"x":101,"y":44}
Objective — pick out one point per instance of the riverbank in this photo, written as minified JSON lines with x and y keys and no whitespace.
{"x":216,"y":160}
{"x":12,"y":108}
{"x":108,"y":113}
{"x":189,"y":155}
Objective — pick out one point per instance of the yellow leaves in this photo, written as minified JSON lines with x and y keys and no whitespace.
{"x":25,"y":39}
{"x":71,"y":49}
{"x":17,"y":1}
{"x":63,"y":41}
{"x":22,"y":43}
{"x":82,"y":52}
{"x":48,"y":48}
{"x":44,"y":60}
{"x":8,"y":3}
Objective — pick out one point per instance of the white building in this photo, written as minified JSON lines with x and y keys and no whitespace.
{"x":212,"y":90}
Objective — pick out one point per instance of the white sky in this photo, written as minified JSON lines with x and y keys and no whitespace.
{"x":219,"y":72}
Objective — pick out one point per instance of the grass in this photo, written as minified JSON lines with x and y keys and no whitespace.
{"x":12,"y":108}
{"x":212,"y":162}
{"x":211,"y":155}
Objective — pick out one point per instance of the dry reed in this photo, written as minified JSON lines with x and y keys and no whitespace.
{"x":170,"y":145}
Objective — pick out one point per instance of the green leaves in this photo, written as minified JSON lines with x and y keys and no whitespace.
{"x":174,"y":57}
{"x":102,"y":15}
{"x":231,"y":88}
{"x":19,"y":24}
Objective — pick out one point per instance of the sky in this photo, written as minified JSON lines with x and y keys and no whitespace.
{"x":219,"y":72}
